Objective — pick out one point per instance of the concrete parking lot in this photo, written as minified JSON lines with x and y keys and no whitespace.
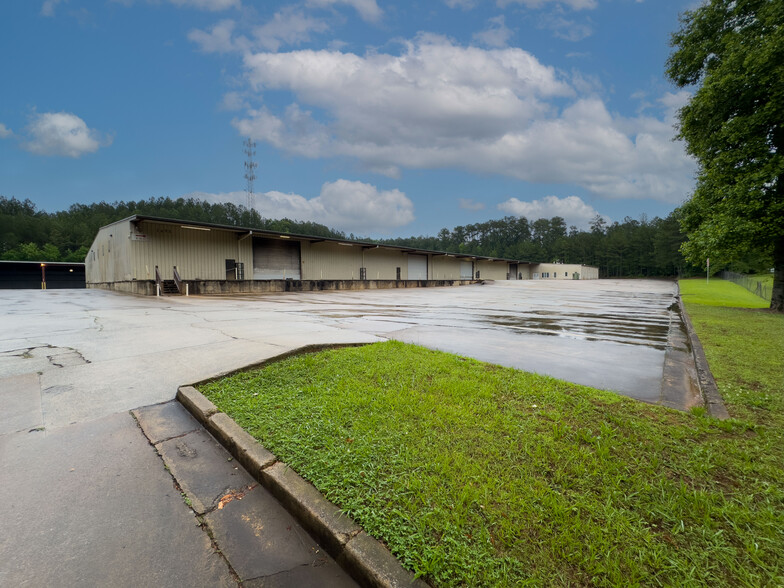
{"x":83,"y":489}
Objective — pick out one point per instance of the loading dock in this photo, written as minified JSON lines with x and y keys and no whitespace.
{"x":276,"y":259}
{"x":417,"y":267}
{"x":145,"y":255}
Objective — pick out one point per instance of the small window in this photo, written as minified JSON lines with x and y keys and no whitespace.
{"x":566,"y":274}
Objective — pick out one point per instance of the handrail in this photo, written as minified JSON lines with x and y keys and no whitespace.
{"x":158,"y":281}
{"x":177,"y":280}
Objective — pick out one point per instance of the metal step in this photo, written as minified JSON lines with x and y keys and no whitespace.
{"x":169,"y":287}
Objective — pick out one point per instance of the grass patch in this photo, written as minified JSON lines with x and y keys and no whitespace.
{"x":719,"y":293}
{"x":766,"y":279}
{"x":477,"y":475}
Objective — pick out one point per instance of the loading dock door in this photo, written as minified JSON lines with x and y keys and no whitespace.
{"x":276,"y":259}
{"x":417,"y":267}
{"x":466,"y":270}
{"x":512,"y":271}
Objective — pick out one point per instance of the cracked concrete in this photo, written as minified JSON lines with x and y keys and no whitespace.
{"x":73,"y":362}
{"x":259,"y":539}
{"x":84,"y":503}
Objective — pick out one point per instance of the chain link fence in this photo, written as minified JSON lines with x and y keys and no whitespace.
{"x":751,"y":283}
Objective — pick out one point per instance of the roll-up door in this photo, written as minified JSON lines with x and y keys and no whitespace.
{"x":466,"y":270}
{"x":417,"y":267}
{"x":276,"y":259}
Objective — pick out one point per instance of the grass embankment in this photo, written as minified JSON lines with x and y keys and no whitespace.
{"x":699,"y":292}
{"x":476,"y":475}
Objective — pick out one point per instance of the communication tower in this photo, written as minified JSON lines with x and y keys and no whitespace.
{"x":249,"y":148}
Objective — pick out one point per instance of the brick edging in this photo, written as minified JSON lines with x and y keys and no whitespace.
{"x":365,"y":558}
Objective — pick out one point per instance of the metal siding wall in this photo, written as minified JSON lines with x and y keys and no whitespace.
{"x":330,"y":261}
{"x":445,"y":268}
{"x":524,"y":269}
{"x":121,"y":255}
{"x":108,"y":259}
{"x":492,"y":270}
{"x":586,"y":272}
{"x":589,"y":272}
{"x":94,"y":271}
{"x":382,"y":264}
{"x":198,"y":255}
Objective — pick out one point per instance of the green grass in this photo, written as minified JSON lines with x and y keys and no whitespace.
{"x":766,"y":279}
{"x":476,"y":475}
{"x":719,"y":293}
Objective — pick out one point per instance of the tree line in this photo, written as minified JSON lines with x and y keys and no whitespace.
{"x":632,"y":248}
{"x":29,"y":234}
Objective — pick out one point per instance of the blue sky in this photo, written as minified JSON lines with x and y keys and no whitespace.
{"x":376,"y":117}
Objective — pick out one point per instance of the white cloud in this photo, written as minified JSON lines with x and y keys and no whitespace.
{"x":367,"y":9}
{"x":574,"y":4}
{"x":288,"y":26}
{"x":211,"y":5}
{"x":63,"y":134}
{"x":343,"y":204}
{"x":464,"y":4}
{"x":674,"y":102}
{"x":47,"y":8}
{"x":565,"y":28}
{"x":219,"y":39}
{"x":472,"y":205}
{"x":572,"y":209}
{"x":496,"y":34}
{"x":208,"y":5}
{"x":5,"y":132}
{"x":234,"y":101}
{"x":438,"y":105}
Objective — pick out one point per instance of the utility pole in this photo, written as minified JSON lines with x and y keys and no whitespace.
{"x":249,"y":148}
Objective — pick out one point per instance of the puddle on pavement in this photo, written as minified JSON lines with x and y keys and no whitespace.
{"x":591,"y":327}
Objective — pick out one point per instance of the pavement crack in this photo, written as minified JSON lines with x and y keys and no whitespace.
{"x":24,"y":352}
{"x":228,"y":495}
{"x":176,"y":436}
{"x":320,"y":561}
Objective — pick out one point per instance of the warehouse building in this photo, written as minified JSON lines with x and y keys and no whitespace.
{"x":145,"y":255}
{"x":564,"y":271}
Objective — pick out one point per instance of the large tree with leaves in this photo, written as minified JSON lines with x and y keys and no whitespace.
{"x":733,"y":52}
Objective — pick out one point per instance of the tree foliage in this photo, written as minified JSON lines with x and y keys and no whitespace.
{"x":632,"y":248}
{"x":733,"y":51}
{"x":27,"y":233}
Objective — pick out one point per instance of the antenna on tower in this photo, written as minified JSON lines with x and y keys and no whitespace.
{"x":249,"y":148}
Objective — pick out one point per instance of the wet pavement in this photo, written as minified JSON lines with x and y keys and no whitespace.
{"x":88,"y":501}
{"x":608,"y":334}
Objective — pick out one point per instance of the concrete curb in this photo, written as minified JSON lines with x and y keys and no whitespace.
{"x":710,"y":391}
{"x":366,"y":559}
